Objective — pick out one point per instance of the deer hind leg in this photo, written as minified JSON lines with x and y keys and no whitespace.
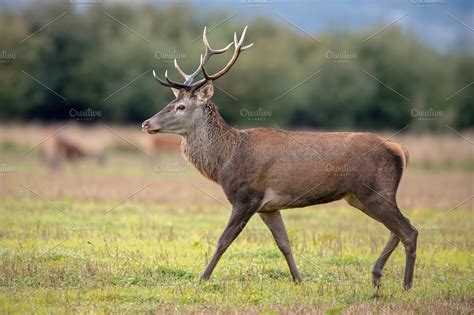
{"x":387,"y":251}
{"x":275,"y":223}
{"x":384,"y":256}
{"x":398,"y":224}
{"x":385,"y":210}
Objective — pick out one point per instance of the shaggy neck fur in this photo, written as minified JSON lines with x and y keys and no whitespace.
{"x":211,"y":143}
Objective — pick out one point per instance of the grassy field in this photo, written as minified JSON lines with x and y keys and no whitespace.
{"x":135,"y":235}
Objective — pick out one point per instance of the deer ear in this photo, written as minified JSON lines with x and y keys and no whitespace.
{"x":205,"y":92}
{"x":175,"y":92}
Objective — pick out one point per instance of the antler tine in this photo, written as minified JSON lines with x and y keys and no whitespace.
{"x":183,"y":74}
{"x":176,"y":84}
{"x":208,"y":47}
{"x":237,"y":50}
{"x":161,"y":81}
{"x":201,"y":66}
{"x":170,"y":83}
{"x":207,"y":54}
{"x":236,"y":43}
{"x":246,"y":47}
{"x":242,"y":40}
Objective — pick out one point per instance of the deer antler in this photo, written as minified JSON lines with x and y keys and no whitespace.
{"x":237,"y":50}
{"x":189,"y":78}
{"x":207,"y":55}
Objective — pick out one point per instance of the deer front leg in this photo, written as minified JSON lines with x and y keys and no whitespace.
{"x":275,"y":223}
{"x":238,"y":220}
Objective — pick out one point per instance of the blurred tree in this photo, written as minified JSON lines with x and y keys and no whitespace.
{"x":101,"y":57}
{"x":462,"y":99}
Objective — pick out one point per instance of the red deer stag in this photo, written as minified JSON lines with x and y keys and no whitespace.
{"x":265,"y":170}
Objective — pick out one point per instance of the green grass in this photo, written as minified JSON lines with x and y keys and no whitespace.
{"x":147,"y":257}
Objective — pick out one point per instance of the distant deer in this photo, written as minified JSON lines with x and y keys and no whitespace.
{"x":58,"y":149}
{"x":265,"y":170}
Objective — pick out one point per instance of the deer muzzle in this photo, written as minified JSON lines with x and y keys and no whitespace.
{"x":148,"y":126}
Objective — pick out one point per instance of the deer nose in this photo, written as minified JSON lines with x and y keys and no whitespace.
{"x":145,"y":125}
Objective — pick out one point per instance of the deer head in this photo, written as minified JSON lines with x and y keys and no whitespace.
{"x":188,"y":107}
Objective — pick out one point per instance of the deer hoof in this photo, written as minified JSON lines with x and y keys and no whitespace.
{"x":297,"y":280}
{"x":376,"y":279}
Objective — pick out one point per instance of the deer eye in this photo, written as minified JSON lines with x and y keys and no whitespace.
{"x":180,"y":107}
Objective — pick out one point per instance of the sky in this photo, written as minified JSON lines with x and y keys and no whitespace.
{"x":443,"y":24}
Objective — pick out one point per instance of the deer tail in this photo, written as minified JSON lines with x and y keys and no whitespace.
{"x":406,"y":155}
{"x":399,"y":150}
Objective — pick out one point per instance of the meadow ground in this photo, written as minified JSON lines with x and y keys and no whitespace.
{"x":134,"y":236}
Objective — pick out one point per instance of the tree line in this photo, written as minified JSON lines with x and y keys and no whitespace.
{"x":98,"y":59}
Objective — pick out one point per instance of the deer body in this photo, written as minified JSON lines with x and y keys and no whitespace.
{"x":252,"y":162}
{"x":265,"y":170}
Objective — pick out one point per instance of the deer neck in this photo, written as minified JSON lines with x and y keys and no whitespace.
{"x":211,"y":144}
